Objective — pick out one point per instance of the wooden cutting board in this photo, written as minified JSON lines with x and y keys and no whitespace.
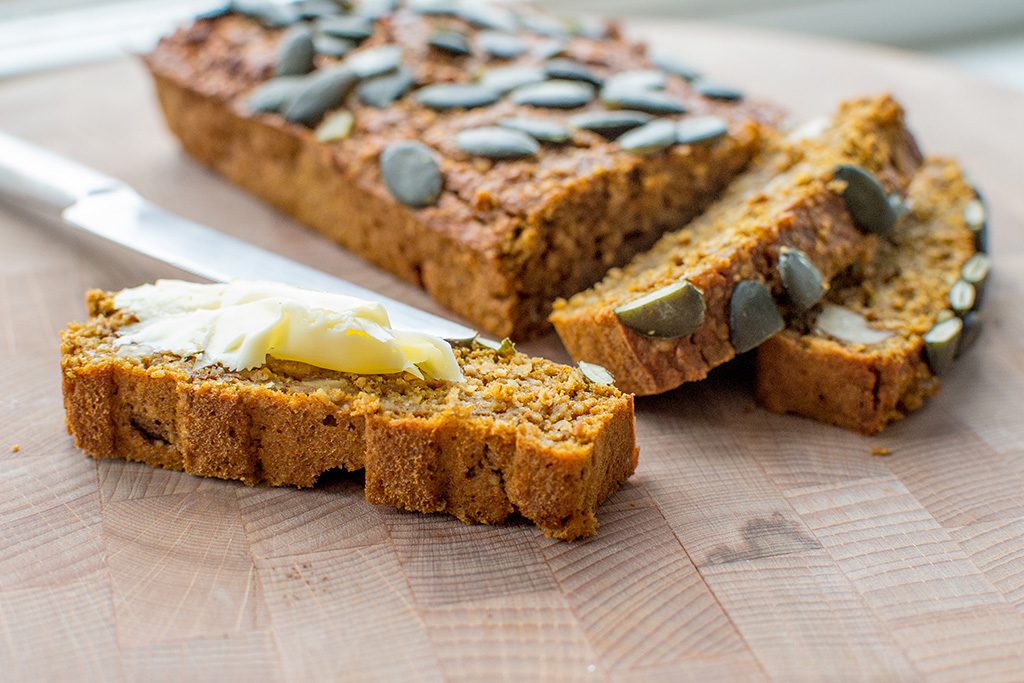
{"x":747,"y":546}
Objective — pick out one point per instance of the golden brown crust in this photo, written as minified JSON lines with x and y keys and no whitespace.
{"x":506,"y":238}
{"x":481,"y":455}
{"x":786,"y":199}
{"x":903,"y":289}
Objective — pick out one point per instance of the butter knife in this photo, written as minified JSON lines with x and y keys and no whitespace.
{"x":50,"y":187}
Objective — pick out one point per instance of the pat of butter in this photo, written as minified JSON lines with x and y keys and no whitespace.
{"x":239,"y":323}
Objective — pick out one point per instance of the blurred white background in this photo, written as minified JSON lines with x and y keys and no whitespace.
{"x":982,"y":36}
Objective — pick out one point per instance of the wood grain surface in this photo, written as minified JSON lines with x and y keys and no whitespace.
{"x":747,"y":547}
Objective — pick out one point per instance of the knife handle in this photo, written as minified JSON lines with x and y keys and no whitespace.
{"x":40,"y":181}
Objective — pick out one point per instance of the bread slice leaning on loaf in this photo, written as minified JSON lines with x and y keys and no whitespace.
{"x":864,"y":374}
{"x":789,"y":198}
{"x":518,"y":435}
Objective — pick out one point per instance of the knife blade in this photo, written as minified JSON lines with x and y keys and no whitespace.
{"x":80,"y":198}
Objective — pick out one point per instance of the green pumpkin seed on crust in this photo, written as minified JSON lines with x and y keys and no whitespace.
{"x":494,"y":142}
{"x":866,"y":200}
{"x":411,"y":172}
{"x":801,"y":278}
{"x":753,"y":315}
{"x":670,"y":312}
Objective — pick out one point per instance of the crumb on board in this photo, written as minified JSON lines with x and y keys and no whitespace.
{"x":16,"y":448}
{"x":880,"y":450}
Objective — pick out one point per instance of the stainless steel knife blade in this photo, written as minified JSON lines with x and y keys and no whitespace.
{"x":51,"y":187}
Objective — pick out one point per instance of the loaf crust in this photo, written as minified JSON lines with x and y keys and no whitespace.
{"x":786,"y":199}
{"x":903,"y":289}
{"x":521,"y":435}
{"x":506,"y":238}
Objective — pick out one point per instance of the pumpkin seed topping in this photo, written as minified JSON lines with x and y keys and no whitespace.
{"x":801,"y":278}
{"x":941,"y":344}
{"x":701,"y":130}
{"x":555,"y":94}
{"x":673,"y":311}
{"x":866,"y":200}
{"x":493,"y":142}
{"x":753,"y":315}
{"x":597,"y":374}
{"x":411,"y":172}
{"x":650,"y":138}
{"x":456,"y":96}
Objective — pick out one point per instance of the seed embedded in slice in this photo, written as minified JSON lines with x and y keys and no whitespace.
{"x":973,"y":323}
{"x":675,"y":66}
{"x":962,"y":297}
{"x":753,"y":315}
{"x":597,"y":374}
{"x":717,"y":91}
{"x":331,"y":46}
{"x":866,"y":200}
{"x":670,"y":312}
{"x":849,"y":326}
{"x":976,"y":217}
{"x":555,"y":94}
{"x":375,"y":61}
{"x":383,"y":91}
{"x":539,"y":129}
{"x":443,"y":96}
{"x":352,"y":27}
{"x":321,"y":91}
{"x":295,"y":54}
{"x":941,"y":344}
{"x":452,"y":42}
{"x":801,"y":278}
{"x":651,"y":101}
{"x":411,"y":172}
{"x":650,"y":138}
{"x":500,"y":45}
{"x":271,"y":96}
{"x":569,"y":70}
{"x":701,"y":130}
{"x":336,"y":126}
{"x":505,"y":347}
{"x":493,"y":142}
{"x":610,"y":124}
{"x":976,"y":271}
{"x":507,"y":78}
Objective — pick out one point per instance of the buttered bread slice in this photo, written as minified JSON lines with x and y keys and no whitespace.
{"x":713,"y":289}
{"x":873,"y":351}
{"x":502,"y":433}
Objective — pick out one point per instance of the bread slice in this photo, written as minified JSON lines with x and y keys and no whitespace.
{"x":505,"y":237}
{"x":904,"y":291}
{"x":519,"y":435}
{"x":788,"y":198}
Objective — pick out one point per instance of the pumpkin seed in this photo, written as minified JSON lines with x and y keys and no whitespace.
{"x":549,"y":48}
{"x":569,"y":70}
{"x":589,"y":27}
{"x":596,"y":374}
{"x":273,"y":95}
{"x":976,"y":216}
{"x":973,"y":323}
{"x":866,"y":200}
{"x":962,"y":297}
{"x":456,"y":96}
{"x":649,"y":138}
{"x":505,"y":347}
{"x":493,"y":142}
{"x":651,"y":101}
{"x":317,"y":9}
{"x":489,"y":17}
{"x":700,"y":130}
{"x":637,"y":79}
{"x":376,"y":61}
{"x":433,"y":7}
{"x":376,"y":9}
{"x":539,"y":129}
{"x":941,"y":344}
{"x":295,"y":53}
{"x":321,"y":91}
{"x":976,"y":271}
{"x":753,"y":315}
{"x":269,"y":14}
{"x":500,"y":45}
{"x":717,"y":91}
{"x":801,"y":278}
{"x":214,"y":12}
{"x":337,"y":126}
{"x":610,"y":124}
{"x":452,"y":42}
{"x":383,"y":91}
{"x":849,"y":326}
{"x":508,"y":78}
{"x":411,"y":172}
{"x":332,"y":46}
{"x":554,"y":94}
{"x":675,"y":66}
{"x":544,"y":25}
{"x":352,"y":27}
{"x":670,"y":312}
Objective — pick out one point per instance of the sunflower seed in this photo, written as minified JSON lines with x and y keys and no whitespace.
{"x":849,"y":326}
{"x":973,"y":323}
{"x":670,"y":312}
{"x":700,"y":130}
{"x":539,"y":129}
{"x":337,"y":126}
{"x":676,"y":66}
{"x":717,"y":91}
{"x":331,"y":46}
{"x":866,"y":200}
{"x":411,"y":172}
{"x":456,"y":96}
{"x":376,"y":61}
{"x":271,"y":96}
{"x":352,"y":27}
{"x":555,"y":94}
{"x":507,"y":78}
{"x":569,"y":70}
{"x":801,"y":278}
{"x":976,"y":271}
{"x":321,"y":91}
{"x":651,"y":101}
{"x":962,"y":297}
{"x":941,"y":344}
{"x":452,"y":42}
{"x":295,"y":53}
{"x":493,"y":142}
{"x":753,"y":316}
{"x":597,"y":374}
{"x":500,"y":45}
{"x":649,"y":138}
{"x":383,"y":91}
{"x":610,"y":124}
